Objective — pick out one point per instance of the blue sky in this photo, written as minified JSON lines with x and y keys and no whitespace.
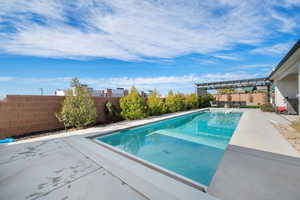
{"x":159,"y":44}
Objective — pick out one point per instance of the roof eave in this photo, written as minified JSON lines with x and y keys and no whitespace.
{"x":285,"y":58}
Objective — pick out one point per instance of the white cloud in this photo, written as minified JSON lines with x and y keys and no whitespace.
{"x":254,"y":66}
{"x":227,"y":57}
{"x":277,"y":49}
{"x":132,"y":29}
{"x":291,"y":3}
{"x":285,"y":23}
{"x":227,"y":76}
{"x":206,"y":61}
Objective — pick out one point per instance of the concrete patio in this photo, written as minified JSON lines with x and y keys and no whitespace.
{"x":53,"y":169}
{"x":258,"y":164}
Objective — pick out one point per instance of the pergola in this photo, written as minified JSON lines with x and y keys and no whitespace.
{"x":203,"y":87}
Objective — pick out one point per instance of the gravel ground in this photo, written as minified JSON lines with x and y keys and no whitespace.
{"x":290,"y":134}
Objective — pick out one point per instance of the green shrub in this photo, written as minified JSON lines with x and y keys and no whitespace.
{"x":156,"y":104}
{"x":113,"y":112}
{"x":191,"y":101}
{"x":200,"y":102}
{"x":204,"y":101}
{"x":252,"y":106}
{"x":175,"y":102}
{"x":78,"y":110}
{"x":267,"y":107}
{"x":133,"y":105}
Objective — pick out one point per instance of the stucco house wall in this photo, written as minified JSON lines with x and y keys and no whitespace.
{"x":287,"y":87}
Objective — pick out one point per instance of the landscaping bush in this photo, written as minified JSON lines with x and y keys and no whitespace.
{"x":113,"y":112}
{"x":204,"y":101}
{"x":180,"y":102}
{"x":252,"y":106}
{"x":191,"y":101}
{"x":156,"y":104}
{"x":78,"y":110}
{"x":175,"y":102}
{"x":133,"y":105}
{"x":267,"y":107}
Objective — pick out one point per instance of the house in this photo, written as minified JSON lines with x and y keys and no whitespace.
{"x":60,"y":92}
{"x":286,"y":80}
{"x":118,"y":92}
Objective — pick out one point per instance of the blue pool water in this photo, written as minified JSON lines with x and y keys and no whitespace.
{"x":191,"y":145}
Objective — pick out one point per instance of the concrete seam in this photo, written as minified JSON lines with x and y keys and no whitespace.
{"x":131,"y":187}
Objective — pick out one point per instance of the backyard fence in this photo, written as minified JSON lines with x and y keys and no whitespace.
{"x":246,"y":99}
{"x":22,"y":114}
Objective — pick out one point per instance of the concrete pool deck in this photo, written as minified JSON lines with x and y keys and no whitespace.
{"x":70,"y":166}
{"x":259,"y":163}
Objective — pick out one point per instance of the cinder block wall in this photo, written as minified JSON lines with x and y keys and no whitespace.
{"x":22,"y":114}
{"x":249,"y":98}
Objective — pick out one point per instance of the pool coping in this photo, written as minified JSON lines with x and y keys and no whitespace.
{"x":149,"y":121}
{"x":92,"y":137}
{"x":169,"y":176}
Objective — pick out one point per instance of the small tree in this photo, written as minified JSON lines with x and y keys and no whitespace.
{"x":170,"y":101}
{"x":133,"y":105}
{"x":78,"y":110}
{"x":180,"y":101}
{"x":191,"y":101}
{"x":113,"y":112}
{"x":204,"y":101}
{"x":75,"y":82}
{"x":156,"y":105}
{"x":175,"y":102}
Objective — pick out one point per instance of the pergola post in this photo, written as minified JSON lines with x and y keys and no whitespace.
{"x":269,"y":93}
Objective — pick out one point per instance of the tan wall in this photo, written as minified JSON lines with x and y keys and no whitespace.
{"x":257,"y":98}
{"x":21,"y":114}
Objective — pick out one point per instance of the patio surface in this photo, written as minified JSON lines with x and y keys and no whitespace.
{"x":258,"y":164}
{"x":255,"y":131}
{"x":53,"y":169}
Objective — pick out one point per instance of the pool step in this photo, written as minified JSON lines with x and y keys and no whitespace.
{"x":203,"y":140}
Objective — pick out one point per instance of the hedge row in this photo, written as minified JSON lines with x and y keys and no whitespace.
{"x":79,"y":109}
{"x":133,"y":106}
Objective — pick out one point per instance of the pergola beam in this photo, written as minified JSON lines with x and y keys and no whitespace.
{"x":234,"y":84}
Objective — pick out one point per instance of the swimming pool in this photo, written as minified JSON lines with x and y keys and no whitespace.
{"x":191,"y":145}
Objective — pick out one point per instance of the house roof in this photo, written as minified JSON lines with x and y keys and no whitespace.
{"x":285,"y":58}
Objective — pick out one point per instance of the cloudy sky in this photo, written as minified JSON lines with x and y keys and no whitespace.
{"x":159,"y":44}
